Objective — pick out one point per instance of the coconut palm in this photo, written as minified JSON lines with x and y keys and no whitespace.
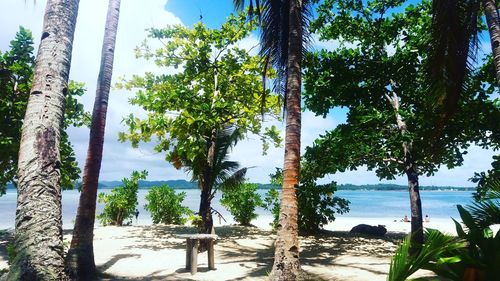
{"x":80,"y":258}
{"x":284,"y":26}
{"x":455,"y":29}
{"x":215,"y":171}
{"x":38,"y":236}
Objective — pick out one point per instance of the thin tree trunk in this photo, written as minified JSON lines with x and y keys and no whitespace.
{"x":417,"y":228}
{"x":80,"y":258}
{"x":286,"y":257}
{"x":206,"y":187}
{"x":491,"y":12}
{"x":38,"y":237}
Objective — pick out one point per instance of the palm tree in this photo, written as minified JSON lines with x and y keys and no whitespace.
{"x":284,"y":31}
{"x":454,"y":34}
{"x":214,"y":171}
{"x":38,"y":237}
{"x":80,"y":258}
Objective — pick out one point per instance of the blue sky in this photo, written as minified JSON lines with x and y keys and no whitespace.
{"x":120,"y":159}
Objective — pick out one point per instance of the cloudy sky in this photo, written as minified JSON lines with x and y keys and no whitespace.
{"x":136,"y":16}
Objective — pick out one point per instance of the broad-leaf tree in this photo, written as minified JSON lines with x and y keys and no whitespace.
{"x":219,"y":87}
{"x":38,"y":237}
{"x":284,"y":36}
{"x":80,"y":258}
{"x":16,"y":71}
{"x":379,"y":73}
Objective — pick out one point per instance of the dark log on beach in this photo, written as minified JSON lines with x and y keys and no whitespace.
{"x":379,"y":230}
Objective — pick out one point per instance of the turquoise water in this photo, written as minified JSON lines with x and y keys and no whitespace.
{"x":368,"y":204}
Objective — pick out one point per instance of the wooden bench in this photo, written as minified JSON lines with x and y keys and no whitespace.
{"x":192,"y":243}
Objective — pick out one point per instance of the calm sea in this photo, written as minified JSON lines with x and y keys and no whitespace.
{"x":368,"y":204}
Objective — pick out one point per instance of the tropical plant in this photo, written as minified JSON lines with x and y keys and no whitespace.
{"x":241,"y":201}
{"x":473,"y":255}
{"x":165,"y":205}
{"x":317,"y":205}
{"x":16,"y":71}
{"x":38,"y":211}
{"x":120,"y":204}
{"x":217,"y":97}
{"x":385,"y":84}
{"x":80,"y":258}
{"x":284,"y":38}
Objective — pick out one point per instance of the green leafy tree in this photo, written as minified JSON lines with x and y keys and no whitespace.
{"x":220,"y":88}
{"x":380,"y":74}
{"x":120,"y":204}
{"x":16,"y":72}
{"x":242,"y":201}
{"x":317,"y":205}
{"x":165,"y":205}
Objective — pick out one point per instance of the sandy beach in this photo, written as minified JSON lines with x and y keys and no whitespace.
{"x":152,"y":252}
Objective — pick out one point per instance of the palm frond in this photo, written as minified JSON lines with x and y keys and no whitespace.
{"x":453,"y":49}
{"x":486,"y":211}
{"x":437,"y":250}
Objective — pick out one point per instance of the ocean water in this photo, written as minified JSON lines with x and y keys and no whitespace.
{"x":364,"y":204}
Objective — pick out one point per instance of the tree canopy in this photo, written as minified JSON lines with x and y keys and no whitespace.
{"x":219,"y":85}
{"x":383,"y":51}
{"x":16,"y":72}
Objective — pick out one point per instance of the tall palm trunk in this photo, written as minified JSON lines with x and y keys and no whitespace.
{"x":286,"y":257}
{"x":38,"y":236}
{"x":491,"y":12}
{"x":80,"y":259}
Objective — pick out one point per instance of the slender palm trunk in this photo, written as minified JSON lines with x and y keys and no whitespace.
{"x":80,"y":258}
{"x":38,"y":237}
{"x":491,"y":12}
{"x":286,"y":257}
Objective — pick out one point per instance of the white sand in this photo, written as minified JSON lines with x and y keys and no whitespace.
{"x":242,"y":253}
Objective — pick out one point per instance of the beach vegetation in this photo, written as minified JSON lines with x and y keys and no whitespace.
{"x":385,"y":86}
{"x":120,"y":204}
{"x":317,"y":203}
{"x":473,"y":255}
{"x":242,"y":201}
{"x":16,"y":74}
{"x":219,"y":90}
{"x":165,"y":205}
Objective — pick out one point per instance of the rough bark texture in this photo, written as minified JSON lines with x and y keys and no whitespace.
{"x":286,"y":257}
{"x":417,"y":228}
{"x":80,"y":259}
{"x":38,"y":235}
{"x":206,"y":187}
{"x":491,"y":12}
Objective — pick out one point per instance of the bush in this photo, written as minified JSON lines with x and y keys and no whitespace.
{"x":165,"y":205}
{"x":241,"y":202}
{"x":120,"y":204}
{"x":317,"y":205}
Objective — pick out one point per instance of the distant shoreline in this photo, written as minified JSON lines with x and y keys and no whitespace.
{"x":183,"y":184}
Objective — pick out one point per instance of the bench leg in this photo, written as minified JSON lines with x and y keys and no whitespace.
{"x":194,"y":257}
{"x":211,"y":261}
{"x":188,"y":254}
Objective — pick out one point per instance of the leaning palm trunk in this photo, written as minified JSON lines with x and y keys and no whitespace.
{"x":286,"y":257}
{"x":38,"y":237}
{"x":491,"y":12}
{"x":80,"y":259}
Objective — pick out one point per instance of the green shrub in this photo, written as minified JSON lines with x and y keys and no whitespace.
{"x":165,"y":205}
{"x":317,"y":205}
{"x":11,"y":253}
{"x":120,"y":204}
{"x":241,"y":202}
